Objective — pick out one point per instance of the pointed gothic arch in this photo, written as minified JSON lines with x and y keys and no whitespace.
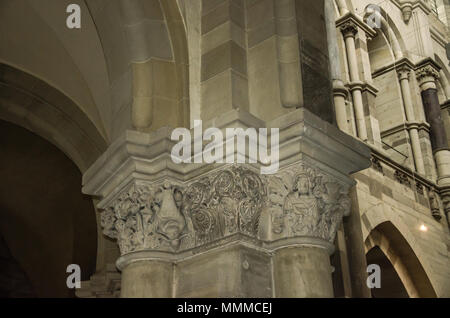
{"x":403,"y":258}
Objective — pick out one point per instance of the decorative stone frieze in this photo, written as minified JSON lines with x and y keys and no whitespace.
{"x":419,"y":188}
{"x":300,"y":201}
{"x":402,"y":178}
{"x":376,"y":164}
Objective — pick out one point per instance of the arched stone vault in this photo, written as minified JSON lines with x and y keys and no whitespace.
{"x":78,"y":88}
{"x":33,"y":104}
{"x":39,"y":43}
{"x":109,"y":66}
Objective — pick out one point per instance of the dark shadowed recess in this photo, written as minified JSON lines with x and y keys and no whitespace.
{"x":391,"y":284}
{"x":45,"y":221}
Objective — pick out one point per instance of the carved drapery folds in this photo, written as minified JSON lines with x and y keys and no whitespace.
{"x":305,"y":202}
{"x":300,"y":202}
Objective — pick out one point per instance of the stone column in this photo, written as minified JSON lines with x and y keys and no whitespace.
{"x":340,"y":93}
{"x":403,"y":74}
{"x":209,"y":230}
{"x":427,"y":73}
{"x":349,"y":30}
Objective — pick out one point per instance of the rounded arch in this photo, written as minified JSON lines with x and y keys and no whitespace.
{"x":35,"y":105}
{"x":443,"y":80}
{"x":389,"y":29}
{"x":396,"y":231}
{"x":380,"y":52}
{"x":39,"y":43}
{"x":403,"y":258}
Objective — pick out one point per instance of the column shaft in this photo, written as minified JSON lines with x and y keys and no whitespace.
{"x":434,"y":118}
{"x":359,"y":113}
{"x":349,"y":30}
{"x":409,"y":111}
{"x":147,"y":279}
{"x":340,"y":94}
{"x":339,"y":91}
{"x":310,"y":277}
{"x":427,"y":75}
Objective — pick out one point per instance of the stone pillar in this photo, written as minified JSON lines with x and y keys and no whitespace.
{"x":403,"y":74}
{"x":224,"y":73}
{"x":427,"y":72}
{"x":355,"y":249}
{"x":349,"y":30}
{"x":313,"y":277}
{"x":210,"y":230}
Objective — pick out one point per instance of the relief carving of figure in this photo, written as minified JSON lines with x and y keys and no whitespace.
{"x":225,"y":204}
{"x":305,"y":202}
{"x":434,"y":205}
{"x":301,"y":207}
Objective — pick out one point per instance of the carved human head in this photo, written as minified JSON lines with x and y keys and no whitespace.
{"x":303,"y":184}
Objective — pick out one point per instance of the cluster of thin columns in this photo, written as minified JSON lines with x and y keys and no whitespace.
{"x":349,"y":30}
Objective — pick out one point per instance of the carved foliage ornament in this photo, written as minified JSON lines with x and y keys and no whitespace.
{"x":427,"y":71}
{"x":300,"y":202}
{"x":147,"y":218}
{"x":349,"y":29}
{"x":225,"y":204}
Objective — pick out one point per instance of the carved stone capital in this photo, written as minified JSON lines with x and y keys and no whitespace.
{"x":299,"y":202}
{"x":349,"y":29}
{"x":426,"y":74}
{"x":172,"y":218}
{"x":403,"y":73}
